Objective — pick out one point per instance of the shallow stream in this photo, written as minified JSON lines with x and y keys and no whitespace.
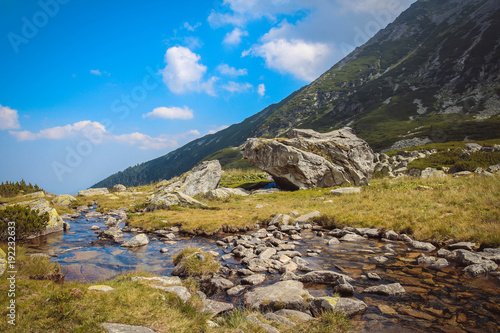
{"x":437,"y":299}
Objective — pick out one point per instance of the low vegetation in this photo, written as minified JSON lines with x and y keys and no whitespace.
{"x":458,"y":159}
{"x":27,"y":221}
{"x":11,"y":189}
{"x":242,"y":178}
{"x":195,"y":263}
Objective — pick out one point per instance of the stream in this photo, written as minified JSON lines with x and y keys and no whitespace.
{"x":437,"y":299}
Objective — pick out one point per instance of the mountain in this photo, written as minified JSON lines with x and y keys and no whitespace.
{"x":430,"y":76}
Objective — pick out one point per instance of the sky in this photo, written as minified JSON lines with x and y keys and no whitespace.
{"x":89,"y":88}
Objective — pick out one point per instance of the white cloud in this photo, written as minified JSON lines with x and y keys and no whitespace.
{"x":79,"y":129}
{"x":189,"y":27}
{"x":305,"y":60}
{"x":232,"y":86}
{"x":261,"y":89}
{"x":220,"y":128}
{"x":234,"y":37}
{"x":95,"y":72}
{"x":172,"y":112}
{"x":225,"y":69}
{"x":184,"y":73}
{"x":370,"y":6}
{"x":146,"y":142}
{"x":9,"y":119}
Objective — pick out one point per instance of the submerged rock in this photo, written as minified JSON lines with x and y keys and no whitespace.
{"x":349,"y":306}
{"x":387,"y":289}
{"x":136,"y":241}
{"x":308,"y":159}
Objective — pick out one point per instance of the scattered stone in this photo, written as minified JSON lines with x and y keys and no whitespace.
{"x":307,"y":217}
{"x":387,"y":289}
{"x":295,"y":315}
{"x":121,"y":328}
{"x":64,"y":200}
{"x":423,"y":246}
{"x":432,"y":173}
{"x":256,"y":321}
{"x":119,"y":188}
{"x":216,"y":285}
{"x":333,"y":241}
{"x":423,"y":259}
{"x":346,"y":190}
{"x":136,"y":241}
{"x":93,"y":191}
{"x":95,"y":227}
{"x":254,"y":279}
{"x":164,"y":250}
{"x":101,"y":288}
{"x":349,"y":306}
{"x":373,"y":276}
{"x":267,"y":253}
{"x":279,"y":319}
{"x":351,"y":238}
{"x":215,"y":307}
{"x":385,"y":309}
{"x":380,"y":259}
{"x":392,"y":235}
{"x":180,"y":291}
{"x":462,"y":246}
{"x":324,"y":277}
{"x":280,"y":295}
{"x":224,"y":193}
{"x":235,"y":290}
{"x":441,"y":262}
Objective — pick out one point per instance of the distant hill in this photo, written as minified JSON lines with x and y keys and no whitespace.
{"x":430,"y":76}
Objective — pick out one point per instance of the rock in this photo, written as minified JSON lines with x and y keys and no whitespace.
{"x":463,"y":246}
{"x":333,"y":241}
{"x":465,"y":257}
{"x":423,"y":246}
{"x":164,"y":250}
{"x":163,"y":200}
{"x":180,"y":291}
{"x":235,"y":290}
{"x":387,"y":289}
{"x":279,"y":319}
{"x":349,"y":306}
{"x":93,"y":191}
{"x":351,"y":238}
{"x":307,"y":217}
{"x":101,"y":288}
{"x":373,"y":276}
{"x":253,"y":319}
{"x":473,"y":146}
{"x":254,"y":279}
{"x":432,"y":173}
{"x":344,"y":289}
{"x":369,"y":232}
{"x":308,"y":159}
{"x":324,"y":277}
{"x":288,"y":276}
{"x":114,"y":233}
{"x":120,"y":328}
{"x":201,"y":179}
{"x":224,"y":193}
{"x":479,"y":269}
{"x":295,"y":315}
{"x":441,"y":262}
{"x":216,"y":285}
{"x":215,"y":307}
{"x":392,"y":235}
{"x":491,"y":254}
{"x":163,"y":280}
{"x":280,"y":295}
{"x":119,"y":188}
{"x":346,"y":190}
{"x":463,"y":174}
{"x":55,"y":223}
{"x":95,"y":227}
{"x":136,"y":241}
{"x":423,"y":259}
{"x":64,"y":200}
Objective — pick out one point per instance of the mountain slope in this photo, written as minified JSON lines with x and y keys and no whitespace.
{"x":431,"y":76}
{"x":187,"y":156}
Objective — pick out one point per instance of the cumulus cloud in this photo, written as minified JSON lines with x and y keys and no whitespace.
{"x":305,"y":60}
{"x":261,"y":89}
{"x":95,"y":72}
{"x":184,"y":73}
{"x":9,"y":119}
{"x":370,"y":6}
{"x":225,"y":69}
{"x":233,"y":87}
{"x":146,"y":142}
{"x":220,"y":128}
{"x":79,"y":129}
{"x":172,"y":112}
{"x":234,"y":37}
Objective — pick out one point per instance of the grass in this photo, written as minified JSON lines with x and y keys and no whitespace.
{"x":48,"y":306}
{"x":239,"y":177}
{"x":458,"y":208}
{"x":453,"y":158}
{"x":193,"y":266}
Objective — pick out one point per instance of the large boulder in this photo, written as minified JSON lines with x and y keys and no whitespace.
{"x":136,"y":241}
{"x":202,"y":178}
{"x":280,"y":295}
{"x":163,"y":200}
{"x":55,"y":223}
{"x":64,"y":200}
{"x":93,"y":191}
{"x":307,"y":159}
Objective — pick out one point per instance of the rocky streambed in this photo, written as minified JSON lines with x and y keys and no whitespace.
{"x":387,"y":281}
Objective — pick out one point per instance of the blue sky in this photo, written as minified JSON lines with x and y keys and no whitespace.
{"x":88,"y":88}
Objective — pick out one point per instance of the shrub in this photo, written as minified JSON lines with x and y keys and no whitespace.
{"x":27,"y":221}
{"x":195,"y":263}
{"x":10,"y":189}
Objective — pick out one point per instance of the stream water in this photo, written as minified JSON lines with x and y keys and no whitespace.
{"x":437,"y":299}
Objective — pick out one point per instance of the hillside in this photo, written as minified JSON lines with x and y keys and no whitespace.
{"x":430,"y":76}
